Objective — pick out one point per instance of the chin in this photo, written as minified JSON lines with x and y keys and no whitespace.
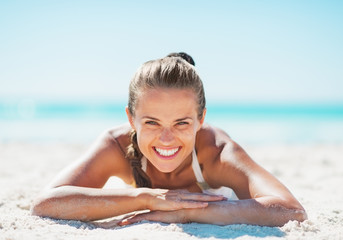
{"x":166,"y":169}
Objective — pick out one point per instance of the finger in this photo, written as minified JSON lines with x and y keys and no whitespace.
{"x":201,"y":197}
{"x":188,"y":204}
{"x":157,"y":216}
{"x":124,"y":222}
{"x":135,"y":219}
{"x":128,"y":220}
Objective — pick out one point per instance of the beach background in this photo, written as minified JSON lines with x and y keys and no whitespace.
{"x":273,"y":80}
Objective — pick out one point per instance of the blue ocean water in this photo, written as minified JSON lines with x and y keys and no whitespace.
{"x":28,"y":120}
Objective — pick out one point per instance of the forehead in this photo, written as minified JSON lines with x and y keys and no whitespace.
{"x":166,"y":101}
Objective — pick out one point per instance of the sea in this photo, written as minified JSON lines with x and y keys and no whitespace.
{"x":248,"y":123}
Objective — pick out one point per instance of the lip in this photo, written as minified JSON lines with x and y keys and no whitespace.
{"x":167,"y":157}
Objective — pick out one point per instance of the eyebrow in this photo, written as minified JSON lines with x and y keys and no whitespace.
{"x":183,"y":119}
{"x":177,"y":120}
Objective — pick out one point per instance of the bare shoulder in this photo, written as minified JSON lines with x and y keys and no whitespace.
{"x":104,"y":158}
{"x":211,"y":141}
{"x":229,"y":165}
{"x":223,"y":161}
{"x":112,"y":142}
{"x":119,"y":134}
{"x":109,"y":151}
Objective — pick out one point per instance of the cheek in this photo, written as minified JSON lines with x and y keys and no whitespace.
{"x":145,"y":137}
{"x":187,"y":135}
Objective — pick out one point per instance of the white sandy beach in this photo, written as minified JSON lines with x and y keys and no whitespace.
{"x":313,"y":173}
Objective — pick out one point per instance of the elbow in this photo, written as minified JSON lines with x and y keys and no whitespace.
{"x":293,"y":210}
{"x":36,"y":210}
{"x":295,"y":213}
{"x":46,"y":204}
{"x":299,"y":214}
{"x":39,"y":207}
{"x":286,"y":211}
{"x":286,"y":215}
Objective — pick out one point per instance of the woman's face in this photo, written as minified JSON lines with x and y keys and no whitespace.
{"x":166,"y":122}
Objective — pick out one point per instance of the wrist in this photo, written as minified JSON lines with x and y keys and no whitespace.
{"x":145,"y":198}
{"x":190,"y":214}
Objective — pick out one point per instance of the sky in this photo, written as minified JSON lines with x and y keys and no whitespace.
{"x":245,"y":51}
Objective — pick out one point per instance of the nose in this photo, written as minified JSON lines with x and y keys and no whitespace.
{"x":166,"y":136}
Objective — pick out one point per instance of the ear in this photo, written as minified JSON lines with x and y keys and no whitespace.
{"x":203,"y":116}
{"x":202,"y":120}
{"x":129,"y":117}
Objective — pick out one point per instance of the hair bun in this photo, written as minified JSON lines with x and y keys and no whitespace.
{"x":182,"y":55}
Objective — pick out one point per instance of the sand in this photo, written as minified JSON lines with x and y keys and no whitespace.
{"x":314,"y":174}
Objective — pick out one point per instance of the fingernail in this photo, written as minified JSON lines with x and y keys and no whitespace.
{"x":124,"y":223}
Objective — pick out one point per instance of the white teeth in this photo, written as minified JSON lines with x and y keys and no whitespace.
{"x":165,"y":152}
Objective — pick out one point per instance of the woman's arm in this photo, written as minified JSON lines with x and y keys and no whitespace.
{"x":81,"y":203}
{"x":264,"y":211}
{"x":76,"y":193}
{"x":263,"y":199}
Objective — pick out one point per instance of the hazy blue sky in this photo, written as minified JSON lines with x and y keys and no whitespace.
{"x":255,"y":51}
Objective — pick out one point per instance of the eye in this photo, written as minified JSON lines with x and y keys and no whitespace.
{"x":151,"y":123}
{"x":182,"y":123}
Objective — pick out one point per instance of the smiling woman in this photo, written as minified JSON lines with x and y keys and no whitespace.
{"x":172,"y":159}
{"x":166,"y":133}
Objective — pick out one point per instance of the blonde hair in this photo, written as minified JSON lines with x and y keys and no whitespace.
{"x":168,"y":72}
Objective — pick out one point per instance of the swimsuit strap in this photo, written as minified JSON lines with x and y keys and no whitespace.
{"x":144,"y":163}
{"x":197,"y":172}
{"x":196,"y":168}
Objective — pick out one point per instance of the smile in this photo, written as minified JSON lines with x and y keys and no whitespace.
{"x":167,"y":152}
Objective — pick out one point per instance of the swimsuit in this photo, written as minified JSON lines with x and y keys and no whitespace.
{"x":225,"y":191}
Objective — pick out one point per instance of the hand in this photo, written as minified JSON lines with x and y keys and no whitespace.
{"x":178,"y":216}
{"x":169,"y":200}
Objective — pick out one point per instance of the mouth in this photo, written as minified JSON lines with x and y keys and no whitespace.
{"x":167,"y":153}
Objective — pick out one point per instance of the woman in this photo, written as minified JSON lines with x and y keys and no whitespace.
{"x":173,"y":159}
